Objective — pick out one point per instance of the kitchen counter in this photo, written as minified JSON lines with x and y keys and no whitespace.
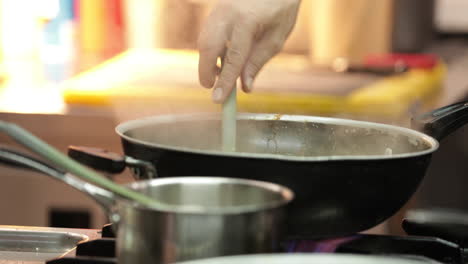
{"x":149,"y":82}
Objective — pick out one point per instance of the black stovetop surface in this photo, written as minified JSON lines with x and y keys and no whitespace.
{"x":439,"y":242}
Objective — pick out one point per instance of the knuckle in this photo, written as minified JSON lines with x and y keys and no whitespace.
{"x":234,"y":57}
{"x":254,"y":67}
{"x":226,"y":79}
{"x":249,"y":17}
{"x":249,"y":22}
{"x":209,"y":38}
{"x":244,"y":23}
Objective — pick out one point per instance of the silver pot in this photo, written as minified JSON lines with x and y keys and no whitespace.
{"x":200,"y":217}
{"x":209,"y":217}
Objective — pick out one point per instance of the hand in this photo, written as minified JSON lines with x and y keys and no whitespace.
{"x":247,"y":33}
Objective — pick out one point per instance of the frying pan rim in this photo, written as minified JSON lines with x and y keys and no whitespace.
{"x":124,"y":127}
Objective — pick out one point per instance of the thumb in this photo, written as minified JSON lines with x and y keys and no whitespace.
{"x":260,"y":54}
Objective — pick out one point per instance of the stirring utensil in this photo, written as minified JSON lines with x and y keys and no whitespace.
{"x":46,"y":151}
{"x":229,"y":119}
{"x":229,"y":125}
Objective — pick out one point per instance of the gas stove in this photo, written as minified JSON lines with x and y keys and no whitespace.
{"x":439,"y":241}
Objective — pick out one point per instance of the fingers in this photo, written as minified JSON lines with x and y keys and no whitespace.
{"x":261,"y":53}
{"x":236,"y":56}
{"x":211,"y":45}
{"x":249,"y":34}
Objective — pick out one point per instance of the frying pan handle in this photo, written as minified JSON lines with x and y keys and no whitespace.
{"x":103,"y":160}
{"x":447,"y":224}
{"x":441,"y":122}
{"x":20,"y":160}
{"x":98,"y":159}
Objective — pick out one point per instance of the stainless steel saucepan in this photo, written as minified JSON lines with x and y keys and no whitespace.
{"x":200,"y":216}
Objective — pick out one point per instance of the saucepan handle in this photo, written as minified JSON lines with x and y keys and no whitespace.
{"x":21,"y":160}
{"x":110,"y":162}
{"x":51,"y":154}
{"x":441,"y":122}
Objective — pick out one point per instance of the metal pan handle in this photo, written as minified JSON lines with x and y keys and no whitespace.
{"x":98,"y":159}
{"x":51,"y":154}
{"x":20,"y":160}
{"x":448,"y":224}
{"x":110,"y":162}
{"x":441,"y":122}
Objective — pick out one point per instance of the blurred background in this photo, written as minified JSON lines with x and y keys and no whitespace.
{"x":70,"y":70}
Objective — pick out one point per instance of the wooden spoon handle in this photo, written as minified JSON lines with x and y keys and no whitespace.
{"x":230,"y":121}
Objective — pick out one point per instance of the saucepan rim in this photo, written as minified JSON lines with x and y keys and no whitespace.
{"x":285,"y":195}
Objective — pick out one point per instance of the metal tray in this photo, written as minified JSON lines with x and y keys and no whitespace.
{"x":36,"y":245}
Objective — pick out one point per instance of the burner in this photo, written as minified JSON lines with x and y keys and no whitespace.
{"x":83,"y":260}
{"x":433,"y":248}
{"x":107,"y":231}
{"x":104,"y":247}
{"x":439,"y":242}
{"x":313,"y":245}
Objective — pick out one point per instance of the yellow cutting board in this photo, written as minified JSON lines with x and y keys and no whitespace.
{"x":288,"y":85}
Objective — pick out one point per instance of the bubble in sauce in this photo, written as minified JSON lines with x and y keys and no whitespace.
{"x":388,"y":151}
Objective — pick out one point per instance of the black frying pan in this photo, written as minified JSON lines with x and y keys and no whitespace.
{"x":347,"y":175}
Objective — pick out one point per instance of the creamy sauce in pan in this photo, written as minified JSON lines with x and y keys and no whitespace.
{"x":291,"y":138}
